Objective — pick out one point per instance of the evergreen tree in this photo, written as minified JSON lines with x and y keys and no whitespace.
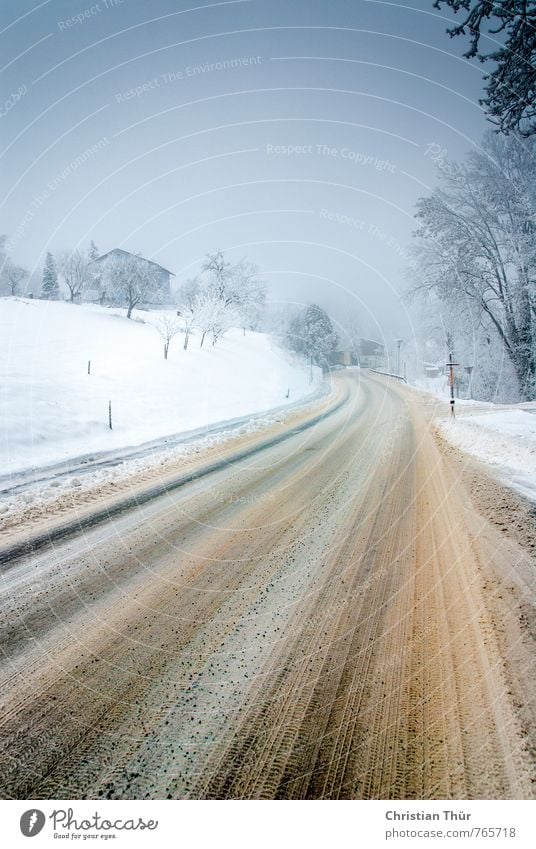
{"x":311,"y":333}
{"x":95,"y":272}
{"x":50,"y":289}
{"x":511,"y":83}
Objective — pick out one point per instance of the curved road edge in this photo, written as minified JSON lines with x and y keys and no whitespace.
{"x":304,"y":416}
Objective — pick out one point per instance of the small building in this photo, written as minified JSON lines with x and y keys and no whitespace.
{"x":342,"y":358}
{"x":371,"y":354}
{"x":432,"y":370}
{"x":162,"y":290}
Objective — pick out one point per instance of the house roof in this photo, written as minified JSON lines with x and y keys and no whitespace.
{"x":128,"y":253}
{"x":370,"y":345}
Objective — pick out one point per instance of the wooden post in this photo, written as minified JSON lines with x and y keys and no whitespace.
{"x":89,"y":366}
{"x":450,"y":366}
{"x":110,"y":415}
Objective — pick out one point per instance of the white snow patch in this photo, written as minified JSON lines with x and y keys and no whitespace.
{"x":52,"y":410}
{"x":439,"y":387}
{"x":503,"y":438}
{"x":46,"y":494}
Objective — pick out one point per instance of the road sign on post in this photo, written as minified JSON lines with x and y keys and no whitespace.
{"x":451,"y":365}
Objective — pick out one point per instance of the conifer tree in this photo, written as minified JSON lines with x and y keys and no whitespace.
{"x":50,"y":289}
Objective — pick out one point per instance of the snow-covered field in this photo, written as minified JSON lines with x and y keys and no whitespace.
{"x":52,"y":410}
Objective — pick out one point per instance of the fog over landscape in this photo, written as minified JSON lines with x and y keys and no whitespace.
{"x":300,"y":134}
{"x":268,"y":421}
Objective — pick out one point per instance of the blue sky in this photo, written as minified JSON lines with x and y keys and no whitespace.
{"x":296,"y":133}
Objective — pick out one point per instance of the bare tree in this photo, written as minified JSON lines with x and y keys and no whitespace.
{"x":188,"y":292}
{"x":225,"y":294}
{"x":236,"y":286}
{"x":248,"y":293}
{"x":131,"y":278}
{"x":167,"y":326}
{"x":219,"y":274}
{"x":73,"y":267}
{"x":12,"y":276}
{"x":188,"y":295}
{"x":188,"y":317}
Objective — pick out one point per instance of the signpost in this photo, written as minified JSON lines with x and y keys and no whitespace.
{"x":451,"y":365}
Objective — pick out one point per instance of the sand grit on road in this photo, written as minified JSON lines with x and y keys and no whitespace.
{"x":328,"y":617}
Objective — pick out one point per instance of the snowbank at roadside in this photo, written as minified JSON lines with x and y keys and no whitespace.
{"x":501,"y":435}
{"x":503,"y":438}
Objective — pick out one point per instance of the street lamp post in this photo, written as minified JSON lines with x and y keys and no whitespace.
{"x":399,"y":345}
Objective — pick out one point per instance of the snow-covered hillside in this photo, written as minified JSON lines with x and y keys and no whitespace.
{"x":52,"y":410}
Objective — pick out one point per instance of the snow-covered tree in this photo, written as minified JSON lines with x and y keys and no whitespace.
{"x":3,"y":254}
{"x":225,"y":294}
{"x":236,"y":286}
{"x":188,"y":292}
{"x":249,"y":294}
{"x":212,"y":316}
{"x":511,"y":85}
{"x":130,"y":279}
{"x":311,"y":333}
{"x":188,"y":318}
{"x":97,"y":277}
{"x":92,"y":252}
{"x":459,"y":326}
{"x":50,"y":289}
{"x":187,"y":297}
{"x":11,"y":276}
{"x":349,"y":323}
{"x":219,"y":282}
{"x":167,"y":327}
{"x":477,"y":249}
{"x":73,"y":268}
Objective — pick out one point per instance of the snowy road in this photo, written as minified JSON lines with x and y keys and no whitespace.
{"x":323,"y":615}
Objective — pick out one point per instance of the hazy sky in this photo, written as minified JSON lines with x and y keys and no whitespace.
{"x":295,"y":132}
